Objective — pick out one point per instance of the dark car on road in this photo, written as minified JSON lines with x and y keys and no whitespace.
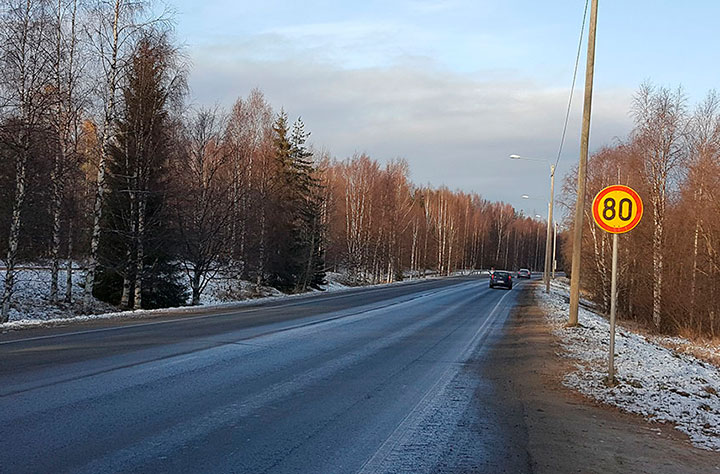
{"x":524,"y":273}
{"x":500,"y":278}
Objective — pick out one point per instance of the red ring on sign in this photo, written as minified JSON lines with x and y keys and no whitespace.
{"x":596,"y":209}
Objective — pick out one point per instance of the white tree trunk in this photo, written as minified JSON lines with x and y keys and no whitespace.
{"x":15,"y":223}
{"x":140,"y":256}
{"x":68,"y":268}
{"x":104,"y":152}
{"x":658,"y":222}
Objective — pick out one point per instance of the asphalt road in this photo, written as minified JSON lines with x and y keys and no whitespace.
{"x":384,"y":379}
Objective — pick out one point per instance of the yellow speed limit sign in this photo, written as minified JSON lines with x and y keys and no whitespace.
{"x":617,"y":209}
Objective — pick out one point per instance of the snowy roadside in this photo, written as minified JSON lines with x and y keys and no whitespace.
{"x":31,"y":307}
{"x":653,"y":381}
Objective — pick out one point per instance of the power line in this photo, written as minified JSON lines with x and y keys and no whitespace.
{"x":572,"y":88}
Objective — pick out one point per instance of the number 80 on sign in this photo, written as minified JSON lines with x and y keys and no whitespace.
{"x":617,"y":209}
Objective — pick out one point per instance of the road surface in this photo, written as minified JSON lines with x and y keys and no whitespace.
{"x":384,"y":379}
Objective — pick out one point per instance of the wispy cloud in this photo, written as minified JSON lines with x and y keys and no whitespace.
{"x":454,"y":129}
{"x":356,"y":43}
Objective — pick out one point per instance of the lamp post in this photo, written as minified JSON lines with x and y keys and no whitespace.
{"x":548,"y":239}
{"x":535,"y":264}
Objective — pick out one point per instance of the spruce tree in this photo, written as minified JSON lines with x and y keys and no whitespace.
{"x":296,"y":258}
{"x":309,"y":232}
{"x":138,"y":264}
{"x":282,"y":265}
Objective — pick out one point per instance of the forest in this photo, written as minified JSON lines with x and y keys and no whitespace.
{"x":669,"y":266}
{"x":106,"y":170}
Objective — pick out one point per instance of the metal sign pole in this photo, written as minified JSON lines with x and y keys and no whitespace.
{"x":613,"y":305}
{"x":554,"y":261}
{"x":616,"y":209}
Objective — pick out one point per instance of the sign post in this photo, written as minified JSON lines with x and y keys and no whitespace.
{"x":616,"y":209}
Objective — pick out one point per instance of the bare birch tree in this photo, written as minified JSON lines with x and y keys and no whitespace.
{"x":203,"y":209}
{"x":660,"y":123}
{"x":113,"y":26}
{"x":25,"y":79}
{"x":65,"y":122}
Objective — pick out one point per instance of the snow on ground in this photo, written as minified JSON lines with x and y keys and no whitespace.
{"x":31,"y":306}
{"x":31,"y":296}
{"x":708,"y":351}
{"x":653,"y":381}
{"x":221,"y":290}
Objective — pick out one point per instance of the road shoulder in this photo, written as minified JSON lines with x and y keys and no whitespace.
{"x":567,"y":432}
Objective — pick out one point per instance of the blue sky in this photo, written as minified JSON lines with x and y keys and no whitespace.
{"x":452,"y":86}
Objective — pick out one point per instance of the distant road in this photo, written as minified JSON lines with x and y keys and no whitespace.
{"x":382,"y":379}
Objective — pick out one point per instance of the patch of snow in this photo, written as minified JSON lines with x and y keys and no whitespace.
{"x":335,"y":282}
{"x":31,"y":307}
{"x":31,"y":295}
{"x":706,"y":350}
{"x":653,"y":381}
{"x":225,"y":289}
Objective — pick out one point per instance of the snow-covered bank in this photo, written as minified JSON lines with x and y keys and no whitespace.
{"x":31,"y":296}
{"x":653,"y":381}
{"x":31,"y":306}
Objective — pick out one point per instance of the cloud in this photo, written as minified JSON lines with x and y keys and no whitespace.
{"x":454,"y":129}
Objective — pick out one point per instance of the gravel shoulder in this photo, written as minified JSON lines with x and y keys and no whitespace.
{"x":567,"y":432}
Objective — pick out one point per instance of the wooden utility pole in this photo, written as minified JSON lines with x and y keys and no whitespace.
{"x":548,"y":240}
{"x":582,"y":171}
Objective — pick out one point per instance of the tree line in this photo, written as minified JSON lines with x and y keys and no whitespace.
{"x":669,"y":266}
{"x":102,"y":162}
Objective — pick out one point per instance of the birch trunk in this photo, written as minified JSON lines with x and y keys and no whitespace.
{"x":55,"y":245}
{"x":414,"y":248}
{"x":693,"y":287}
{"x":68,"y":267}
{"x":104,"y":152}
{"x":140,"y":257}
{"x":130,"y":276}
{"x":56,"y":192}
{"x":21,"y":58}
{"x":658,"y":262}
{"x":261,"y":249}
{"x":14,"y":238}
{"x":64,"y":118}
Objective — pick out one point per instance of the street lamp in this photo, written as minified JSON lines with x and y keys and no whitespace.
{"x":536,"y":264}
{"x":538,"y":216}
{"x":548,"y":239}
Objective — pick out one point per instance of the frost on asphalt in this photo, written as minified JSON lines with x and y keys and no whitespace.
{"x":653,"y":381}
